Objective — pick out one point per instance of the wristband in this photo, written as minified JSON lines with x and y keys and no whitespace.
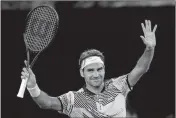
{"x":35,"y":91}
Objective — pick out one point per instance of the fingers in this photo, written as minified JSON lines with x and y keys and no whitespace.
{"x":25,"y":70}
{"x":154,"y":29}
{"x":143,"y":27}
{"x":27,"y":73}
{"x":24,"y":74}
{"x":25,"y":62}
{"x":142,"y":37}
{"x":148,"y":26}
{"x":23,"y":77}
{"x":30,"y":71}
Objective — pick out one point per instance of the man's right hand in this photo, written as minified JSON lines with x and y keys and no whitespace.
{"x":28,"y":74}
{"x":43,"y":100}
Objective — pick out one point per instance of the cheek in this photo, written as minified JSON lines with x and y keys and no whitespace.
{"x":102,"y":73}
{"x":87,"y":75}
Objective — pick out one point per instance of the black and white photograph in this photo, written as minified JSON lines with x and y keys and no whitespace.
{"x":88,"y":59}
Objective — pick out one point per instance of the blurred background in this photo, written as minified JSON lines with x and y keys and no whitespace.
{"x":112,"y":27}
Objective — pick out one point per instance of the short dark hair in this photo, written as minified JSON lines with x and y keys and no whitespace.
{"x":89,"y":53}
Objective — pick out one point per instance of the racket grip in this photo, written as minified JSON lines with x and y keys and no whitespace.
{"x":22,"y":88}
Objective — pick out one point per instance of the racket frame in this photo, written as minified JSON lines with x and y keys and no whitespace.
{"x":28,"y":51}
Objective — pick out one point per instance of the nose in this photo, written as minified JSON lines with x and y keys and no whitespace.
{"x":96,"y":74}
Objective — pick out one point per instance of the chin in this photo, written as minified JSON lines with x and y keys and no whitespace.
{"x":97,"y":84}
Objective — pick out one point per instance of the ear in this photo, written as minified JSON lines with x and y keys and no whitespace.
{"x":81,"y":73}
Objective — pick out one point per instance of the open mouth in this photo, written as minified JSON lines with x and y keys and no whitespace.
{"x":96,"y":80}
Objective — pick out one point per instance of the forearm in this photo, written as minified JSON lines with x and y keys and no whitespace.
{"x":141,"y":67}
{"x":43,"y":100}
{"x":40,"y":97}
{"x":145,"y":60}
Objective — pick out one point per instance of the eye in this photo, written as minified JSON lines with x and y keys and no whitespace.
{"x":90,"y":70}
{"x":100,"y":69}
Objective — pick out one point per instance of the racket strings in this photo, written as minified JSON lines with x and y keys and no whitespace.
{"x":41,"y":28}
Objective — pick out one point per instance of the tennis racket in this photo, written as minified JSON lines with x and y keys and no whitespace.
{"x":40,"y":29}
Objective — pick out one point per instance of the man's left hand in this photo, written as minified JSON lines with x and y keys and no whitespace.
{"x":149,"y":38}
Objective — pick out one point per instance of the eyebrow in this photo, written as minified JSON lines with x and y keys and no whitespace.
{"x":90,"y":69}
{"x":100,"y":68}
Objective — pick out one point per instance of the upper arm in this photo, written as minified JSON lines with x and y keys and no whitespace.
{"x":55,"y":104}
{"x":47,"y":102}
{"x":62,"y":104}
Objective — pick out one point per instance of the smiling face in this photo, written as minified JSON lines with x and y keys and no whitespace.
{"x":94,"y":74}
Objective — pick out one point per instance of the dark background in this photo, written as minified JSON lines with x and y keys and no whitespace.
{"x":114,"y":31}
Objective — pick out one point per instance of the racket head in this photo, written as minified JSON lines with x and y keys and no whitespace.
{"x":41,"y":27}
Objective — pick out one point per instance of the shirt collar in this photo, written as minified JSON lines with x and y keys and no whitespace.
{"x":89,"y":92}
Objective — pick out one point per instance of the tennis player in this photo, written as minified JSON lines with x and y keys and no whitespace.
{"x":98,"y":98}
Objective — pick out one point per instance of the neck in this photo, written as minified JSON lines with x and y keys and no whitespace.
{"x":95,"y":90}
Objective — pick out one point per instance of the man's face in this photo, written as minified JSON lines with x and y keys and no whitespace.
{"x":94,"y":74}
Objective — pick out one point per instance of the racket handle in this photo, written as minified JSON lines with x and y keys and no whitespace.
{"x":22,"y":88}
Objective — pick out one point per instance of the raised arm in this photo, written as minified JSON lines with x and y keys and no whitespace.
{"x":144,"y":62}
{"x":41,"y":98}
